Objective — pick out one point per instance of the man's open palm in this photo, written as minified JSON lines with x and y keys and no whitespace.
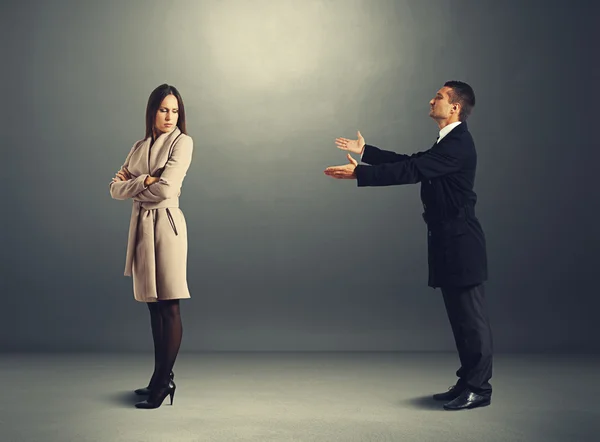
{"x":354,"y":146}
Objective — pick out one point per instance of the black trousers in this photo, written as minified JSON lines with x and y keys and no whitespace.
{"x":468,"y":317}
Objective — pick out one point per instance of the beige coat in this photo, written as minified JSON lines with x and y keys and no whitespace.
{"x":157,"y":243}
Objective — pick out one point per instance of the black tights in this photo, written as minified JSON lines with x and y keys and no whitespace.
{"x":167,"y":330}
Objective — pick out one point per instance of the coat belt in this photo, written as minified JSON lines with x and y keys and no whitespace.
{"x":141,"y":231}
{"x":467,"y":211}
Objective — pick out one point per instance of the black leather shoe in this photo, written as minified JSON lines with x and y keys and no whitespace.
{"x":452,"y":393}
{"x":467,"y":400}
{"x":146,"y":390}
{"x":157,"y":396}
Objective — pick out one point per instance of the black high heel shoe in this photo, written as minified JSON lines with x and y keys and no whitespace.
{"x":157,"y":396}
{"x":146,"y":390}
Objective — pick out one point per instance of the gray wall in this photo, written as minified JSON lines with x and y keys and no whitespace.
{"x":282,"y":257}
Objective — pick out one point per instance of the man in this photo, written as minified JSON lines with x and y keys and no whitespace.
{"x":456,"y":242}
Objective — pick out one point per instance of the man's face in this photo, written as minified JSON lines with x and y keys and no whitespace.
{"x":440,"y":107}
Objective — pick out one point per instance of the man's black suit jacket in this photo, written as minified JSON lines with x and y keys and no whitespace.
{"x":456,"y":242}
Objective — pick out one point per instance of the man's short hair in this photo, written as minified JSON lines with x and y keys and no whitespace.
{"x":462,"y":94}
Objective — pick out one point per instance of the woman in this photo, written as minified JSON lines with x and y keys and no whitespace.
{"x":152,"y":176}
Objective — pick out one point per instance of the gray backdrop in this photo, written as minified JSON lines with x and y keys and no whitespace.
{"x":282,"y":257}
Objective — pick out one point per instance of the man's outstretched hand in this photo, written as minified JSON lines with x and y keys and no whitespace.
{"x":354,"y":146}
{"x":345,"y":172}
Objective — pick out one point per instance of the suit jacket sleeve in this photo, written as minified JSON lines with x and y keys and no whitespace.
{"x":122,"y":190}
{"x":373,"y":155}
{"x":171,"y":179}
{"x":442,"y":159}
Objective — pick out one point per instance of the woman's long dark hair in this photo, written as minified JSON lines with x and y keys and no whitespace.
{"x":156,"y":97}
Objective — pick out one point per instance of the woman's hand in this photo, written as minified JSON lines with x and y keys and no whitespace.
{"x":122,"y":175}
{"x":151,"y":180}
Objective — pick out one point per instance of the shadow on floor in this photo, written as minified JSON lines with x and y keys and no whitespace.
{"x":124,"y":398}
{"x":424,"y":403}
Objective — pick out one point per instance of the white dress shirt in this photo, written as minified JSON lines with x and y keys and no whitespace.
{"x":446,"y":130}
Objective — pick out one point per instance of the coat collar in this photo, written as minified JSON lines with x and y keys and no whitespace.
{"x":158,"y":153}
{"x":165,"y":138}
{"x":455,"y":129}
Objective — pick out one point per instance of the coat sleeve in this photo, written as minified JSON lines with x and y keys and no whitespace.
{"x":122,"y":190}
{"x":171,"y":178}
{"x":375,"y":156}
{"x":440,"y":160}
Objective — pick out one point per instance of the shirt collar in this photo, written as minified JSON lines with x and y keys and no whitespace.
{"x":446,"y":130}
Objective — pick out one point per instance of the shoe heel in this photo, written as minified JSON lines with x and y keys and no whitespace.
{"x":172,"y":395}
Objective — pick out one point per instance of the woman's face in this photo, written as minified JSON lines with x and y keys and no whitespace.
{"x":167,"y":115}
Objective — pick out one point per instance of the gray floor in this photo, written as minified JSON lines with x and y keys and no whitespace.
{"x":284,"y":397}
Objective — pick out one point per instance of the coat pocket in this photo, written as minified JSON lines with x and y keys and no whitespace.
{"x":455,"y":244}
{"x":454,"y":228}
{"x":171,"y":221}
